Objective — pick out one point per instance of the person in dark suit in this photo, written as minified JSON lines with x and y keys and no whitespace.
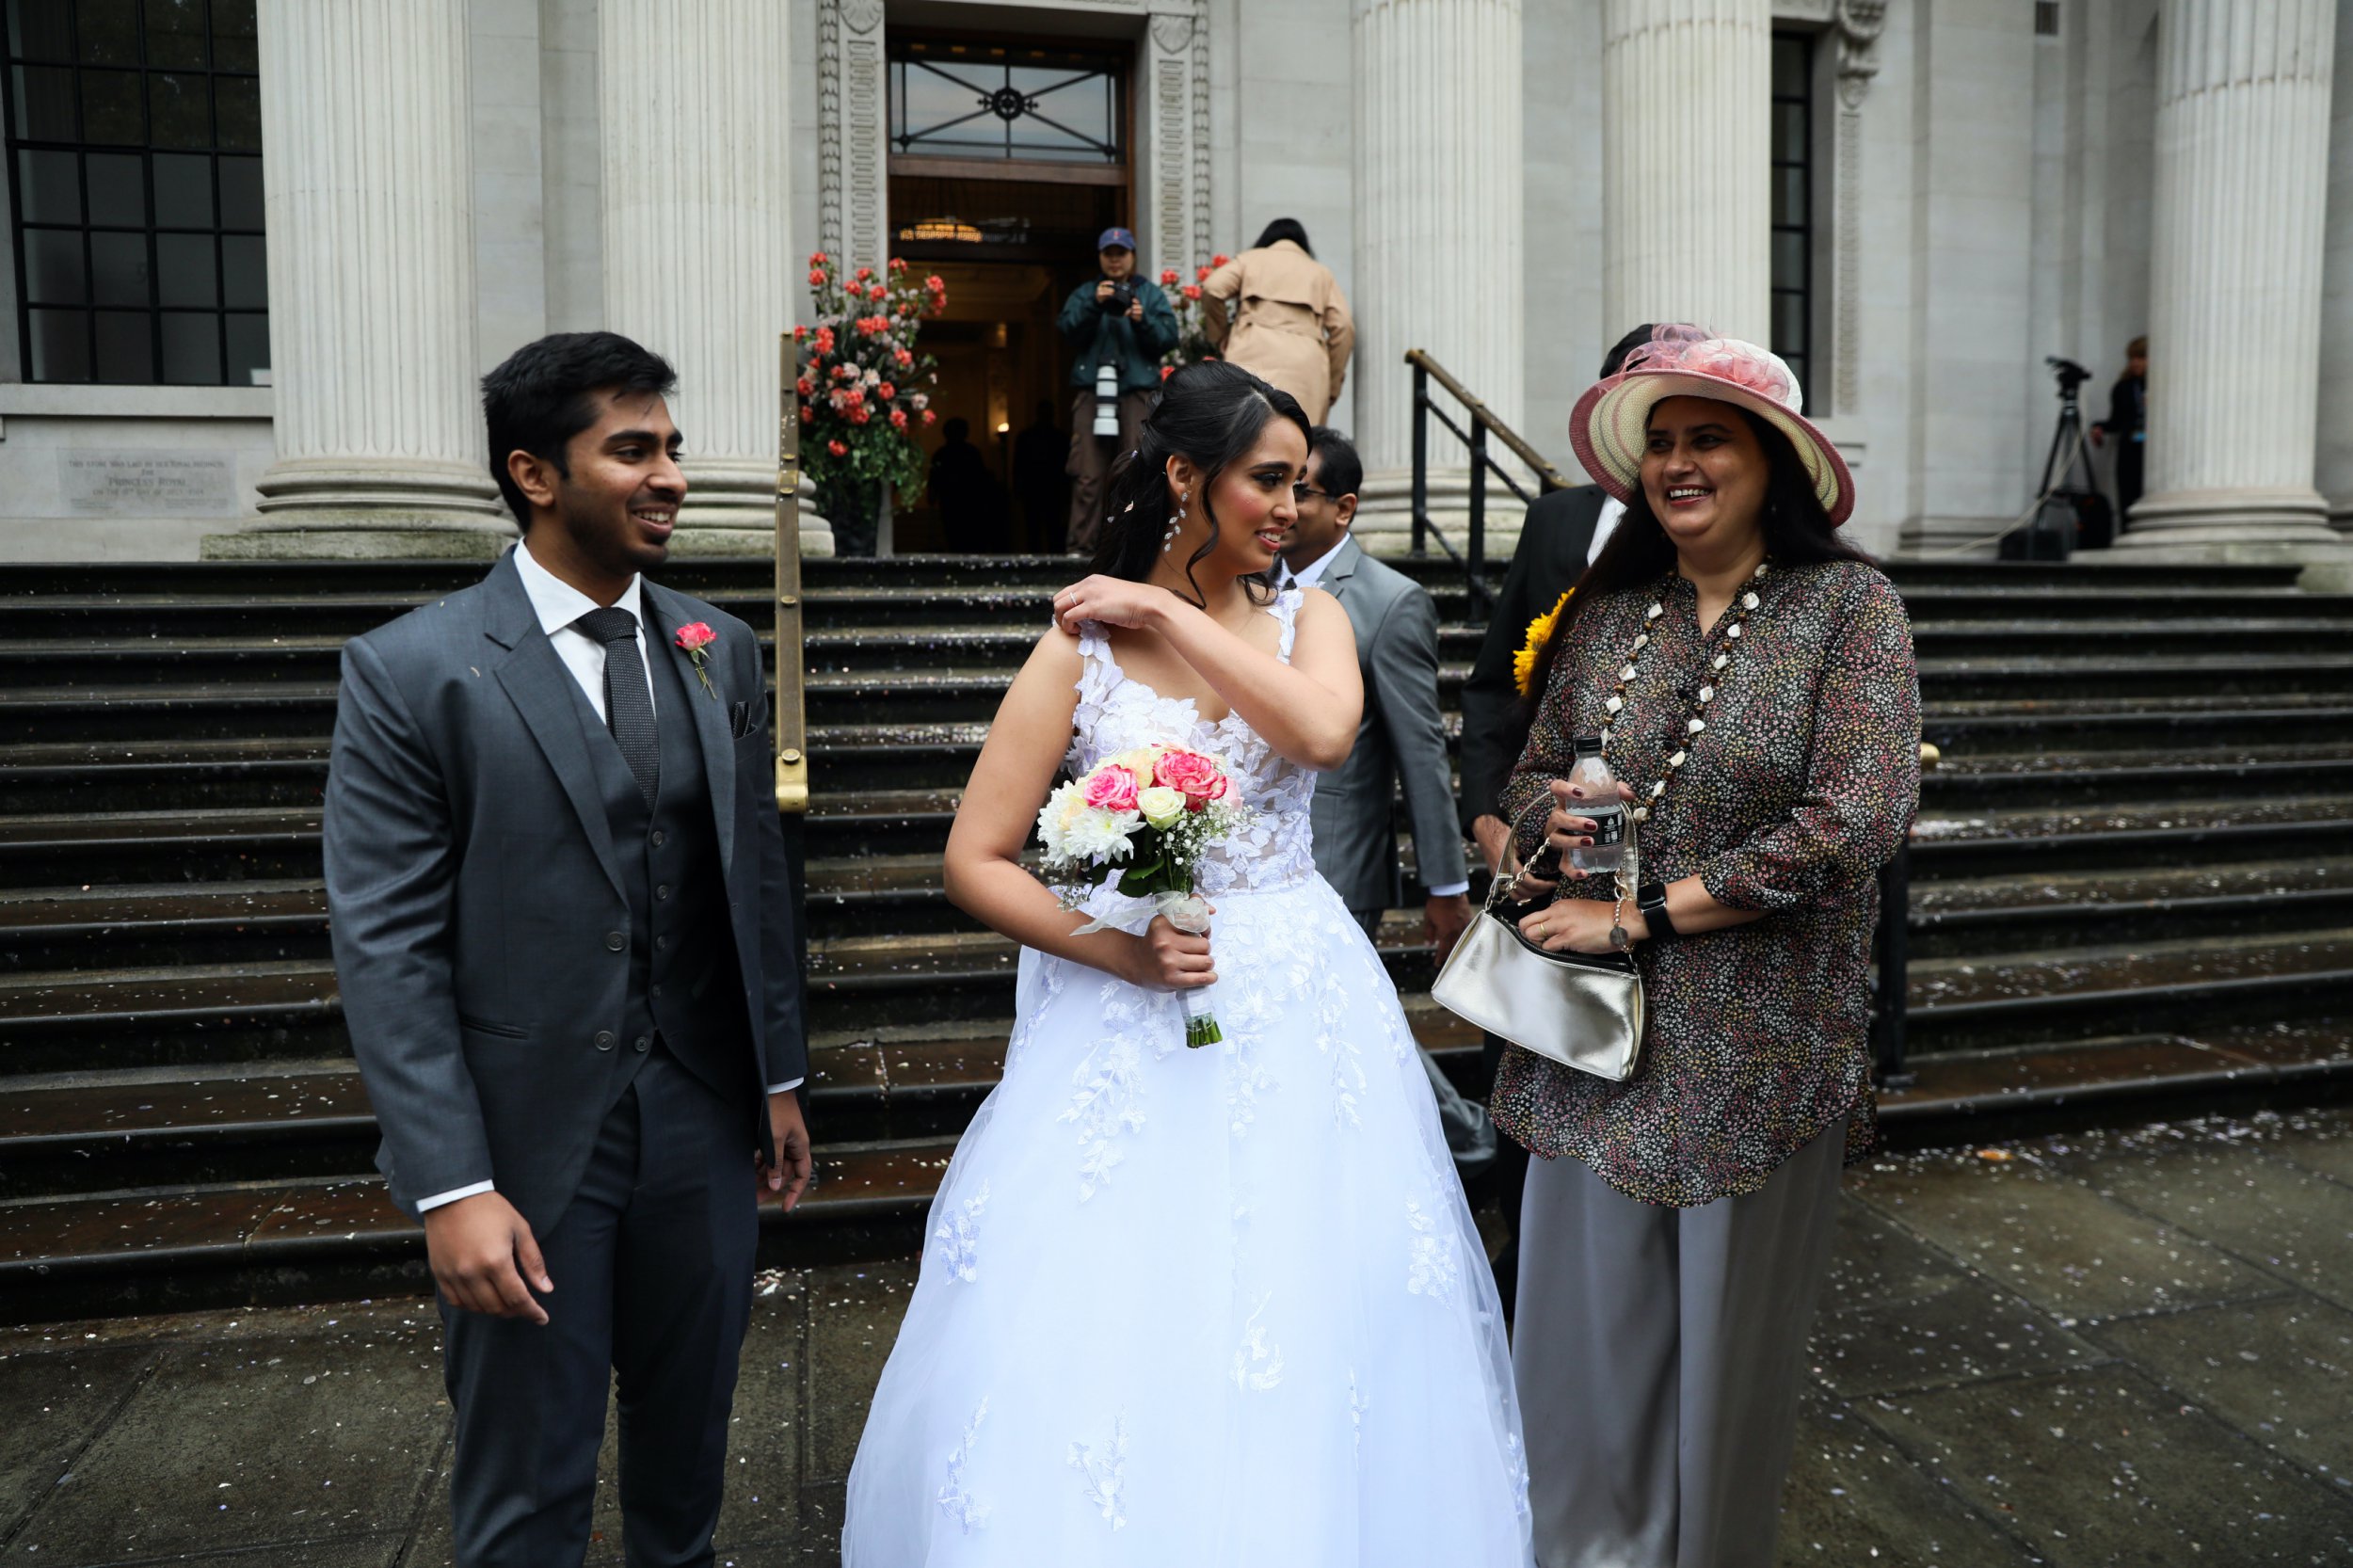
{"x":2128,"y":422}
{"x":1562,"y":532}
{"x":1400,"y":739}
{"x":563,"y":925}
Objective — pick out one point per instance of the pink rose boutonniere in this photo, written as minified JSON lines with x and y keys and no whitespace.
{"x":696,"y":639}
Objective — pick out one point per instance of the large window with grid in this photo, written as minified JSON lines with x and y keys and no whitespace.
{"x":1793,"y":168}
{"x":133,"y":144}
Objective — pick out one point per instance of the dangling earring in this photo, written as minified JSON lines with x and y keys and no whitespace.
{"x":1168,"y":540}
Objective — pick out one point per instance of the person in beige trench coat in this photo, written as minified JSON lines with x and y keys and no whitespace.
{"x":1279,"y":313}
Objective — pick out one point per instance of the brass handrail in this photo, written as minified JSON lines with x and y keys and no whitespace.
{"x":1553,"y":478}
{"x":792,"y":718}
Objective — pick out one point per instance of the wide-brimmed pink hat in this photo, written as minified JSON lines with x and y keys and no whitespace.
{"x":1611,"y":426}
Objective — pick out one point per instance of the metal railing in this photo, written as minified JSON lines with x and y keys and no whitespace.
{"x":1484,"y":426}
{"x":1892,"y":953}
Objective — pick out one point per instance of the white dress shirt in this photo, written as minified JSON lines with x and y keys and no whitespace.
{"x":1611,"y":511}
{"x":559,"y":605}
{"x":1306,"y":577}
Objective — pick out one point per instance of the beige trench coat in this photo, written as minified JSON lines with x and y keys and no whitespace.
{"x":1288,"y":322}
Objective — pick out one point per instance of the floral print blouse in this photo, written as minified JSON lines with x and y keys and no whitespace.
{"x":1802,"y":785}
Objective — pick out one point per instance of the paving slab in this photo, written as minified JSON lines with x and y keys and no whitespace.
{"x":1964,"y":1335}
{"x":253,"y":1441}
{"x":2321,"y":1142}
{"x":2280,"y":1371}
{"x":2106,"y":1469}
{"x":1855,"y":1500}
{"x":2244,"y":1197}
{"x":1877,"y":1262}
{"x":2038,"y":1230}
{"x":51,"y":1406}
{"x":853,"y":1321}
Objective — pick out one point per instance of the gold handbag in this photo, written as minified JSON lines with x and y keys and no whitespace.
{"x":1582,"y":1010}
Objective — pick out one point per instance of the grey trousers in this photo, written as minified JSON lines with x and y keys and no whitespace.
{"x":1659,"y":1354}
{"x":652,"y":1265}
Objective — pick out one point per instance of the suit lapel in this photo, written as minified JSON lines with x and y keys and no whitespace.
{"x":544,"y":692}
{"x":1336,"y":577}
{"x":665,"y":615}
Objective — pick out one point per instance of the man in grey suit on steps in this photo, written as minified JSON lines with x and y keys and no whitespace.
{"x":563,"y":927}
{"x":1401,"y":738}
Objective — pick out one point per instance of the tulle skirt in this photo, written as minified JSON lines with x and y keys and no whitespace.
{"x":1183,"y":1306}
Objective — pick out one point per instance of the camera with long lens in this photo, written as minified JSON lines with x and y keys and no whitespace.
{"x":1122,"y":295}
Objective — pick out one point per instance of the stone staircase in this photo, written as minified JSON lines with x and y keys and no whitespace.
{"x":2133,"y":883}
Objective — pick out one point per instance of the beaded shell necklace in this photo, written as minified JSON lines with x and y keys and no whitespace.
{"x":1697,"y":721}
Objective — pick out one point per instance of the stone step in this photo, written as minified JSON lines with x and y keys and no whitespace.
{"x":211,"y":1245}
{"x":329,"y":1238}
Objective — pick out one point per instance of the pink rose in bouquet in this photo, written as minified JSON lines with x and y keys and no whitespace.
{"x":1111,"y":788}
{"x":1196,"y":778}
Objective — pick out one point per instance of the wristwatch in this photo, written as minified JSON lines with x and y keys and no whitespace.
{"x":1651,"y":899}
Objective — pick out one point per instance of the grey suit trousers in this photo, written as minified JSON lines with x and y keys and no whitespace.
{"x":653,"y":1267}
{"x":1659,"y":1354}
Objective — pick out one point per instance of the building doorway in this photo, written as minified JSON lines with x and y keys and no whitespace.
{"x":1007,"y":159}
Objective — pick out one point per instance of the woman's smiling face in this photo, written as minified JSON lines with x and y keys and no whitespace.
{"x":1703,"y":471}
{"x":1254,"y":503}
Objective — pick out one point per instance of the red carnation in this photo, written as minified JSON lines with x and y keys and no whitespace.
{"x":1168,"y":275}
{"x":809,"y":414}
{"x":929,"y":416}
{"x":1193,"y":291}
{"x":836,"y":449}
{"x":1220,"y":260}
{"x":898,"y":419}
{"x":898,"y":264}
{"x":817,"y":277}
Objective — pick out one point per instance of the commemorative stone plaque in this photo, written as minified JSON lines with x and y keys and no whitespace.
{"x":148,"y":484}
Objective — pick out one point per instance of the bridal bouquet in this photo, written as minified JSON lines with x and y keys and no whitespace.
{"x":1151,"y":812}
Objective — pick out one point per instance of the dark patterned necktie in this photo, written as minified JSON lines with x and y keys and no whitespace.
{"x":628,"y":700}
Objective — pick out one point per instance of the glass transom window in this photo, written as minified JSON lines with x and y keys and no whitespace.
{"x":980,"y":101}
{"x":133,"y":145}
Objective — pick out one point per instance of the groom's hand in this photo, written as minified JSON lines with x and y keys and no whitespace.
{"x":482,"y":1250}
{"x":789,"y":1176}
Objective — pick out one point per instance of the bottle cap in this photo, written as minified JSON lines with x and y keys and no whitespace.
{"x":1588,"y":745}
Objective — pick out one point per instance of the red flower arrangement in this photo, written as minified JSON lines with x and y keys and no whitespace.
{"x":1184,"y":299}
{"x":859,"y":373}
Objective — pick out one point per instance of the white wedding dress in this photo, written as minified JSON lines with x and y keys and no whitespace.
{"x":1219,"y":1307}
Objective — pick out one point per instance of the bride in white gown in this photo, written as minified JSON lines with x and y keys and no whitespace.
{"x":1217,"y":1307}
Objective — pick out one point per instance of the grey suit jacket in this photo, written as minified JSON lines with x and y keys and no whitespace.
{"x":1400,"y":739}
{"x":473,"y":889}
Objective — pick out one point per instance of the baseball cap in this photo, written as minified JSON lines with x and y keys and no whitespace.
{"x":1124,"y":238}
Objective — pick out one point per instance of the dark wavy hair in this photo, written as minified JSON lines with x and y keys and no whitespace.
{"x":1798,"y":531}
{"x":1284,"y":229}
{"x":1210,"y":414}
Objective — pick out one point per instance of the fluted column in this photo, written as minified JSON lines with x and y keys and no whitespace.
{"x":1438,"y":198}
{"x":368,"y":195}
{"x":699,"y":263}
{"x":1687,"y":140}
{"x":2242,"y":156}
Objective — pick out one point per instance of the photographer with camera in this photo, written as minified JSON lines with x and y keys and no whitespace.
{"x":1118,"y":329}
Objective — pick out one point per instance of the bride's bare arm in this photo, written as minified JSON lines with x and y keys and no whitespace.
{"x":983,"y":869}
{"x":1307,"y":710}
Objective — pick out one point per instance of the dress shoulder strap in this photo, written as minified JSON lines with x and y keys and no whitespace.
{"x":1285,"y":611}
{"x":1098,"y":670}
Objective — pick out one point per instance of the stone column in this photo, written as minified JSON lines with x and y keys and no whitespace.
{"x":1438,"y":176}
{"x":1686,"y":138}
{"x":699,"y":263}
{"x":2242,"y":155}
{"x":368,"y":192}
{"x":1175,"y":94}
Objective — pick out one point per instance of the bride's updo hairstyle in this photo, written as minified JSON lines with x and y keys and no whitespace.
{"x":1210,"y":414}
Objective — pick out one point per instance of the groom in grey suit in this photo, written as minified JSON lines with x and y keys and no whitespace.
{"x":1401,"y":738}
{"x":563,"y":931}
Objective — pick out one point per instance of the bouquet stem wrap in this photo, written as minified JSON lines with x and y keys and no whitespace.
{"x":1190,"y":913}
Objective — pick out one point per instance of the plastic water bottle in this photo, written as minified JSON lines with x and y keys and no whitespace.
{"x":1602,"y":803}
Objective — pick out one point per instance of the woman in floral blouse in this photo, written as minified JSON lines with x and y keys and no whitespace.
{"x":1752,"y":678}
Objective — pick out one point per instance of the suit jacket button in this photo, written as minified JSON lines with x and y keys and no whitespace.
{"x":615,"y":941}
{"x":645,"y":1041}
{"x":606,"y":1039}
{"x":660,"y":838}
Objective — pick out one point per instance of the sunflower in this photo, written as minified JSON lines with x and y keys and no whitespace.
{"x":1539,"y":633}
